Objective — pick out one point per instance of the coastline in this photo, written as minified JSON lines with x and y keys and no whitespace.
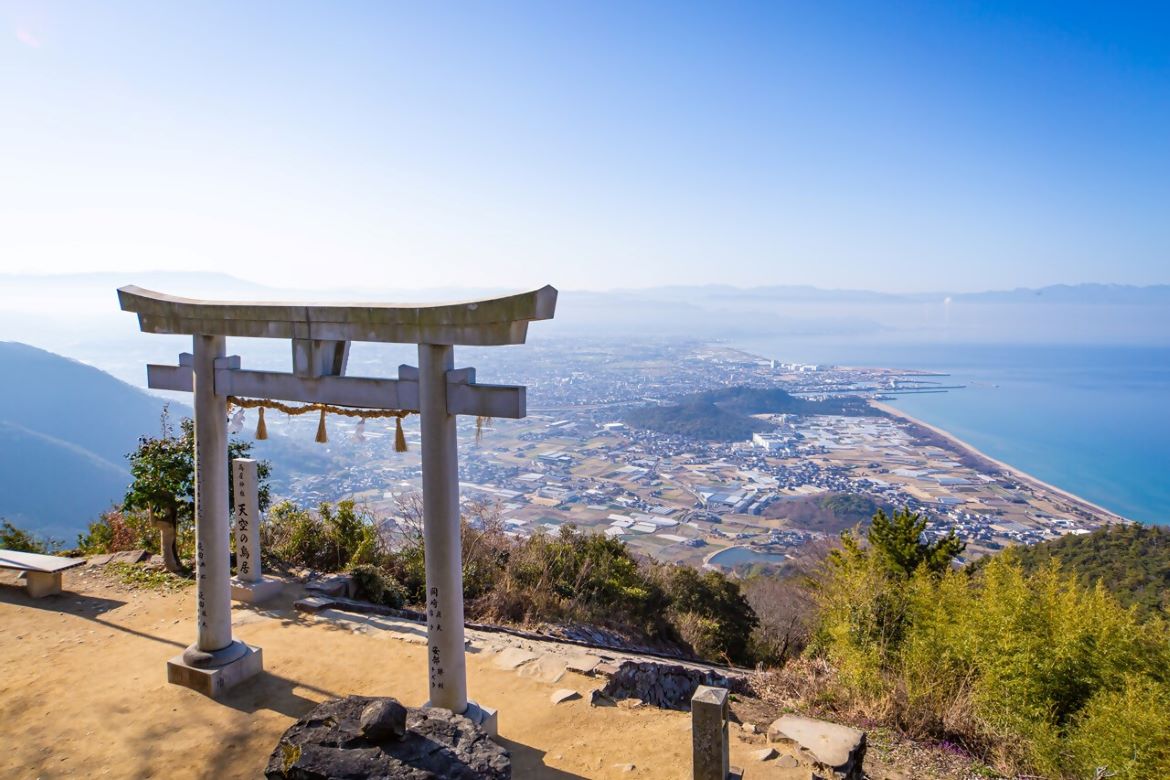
{"x":1023,"y":476}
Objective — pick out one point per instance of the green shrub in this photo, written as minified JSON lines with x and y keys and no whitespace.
{"x":710,"y":612}
{"x":330,"y":539}
{"x":407,"y":565}
{"x":585,"y":577}
{"x":591,"y":578}
{"x":118,"y":530}
{"x":569,"y":577}
{"x":19,"y":540}
{"x":1125,"y":730}
{"x":375,"y":585}
{"x":1035,"y":670}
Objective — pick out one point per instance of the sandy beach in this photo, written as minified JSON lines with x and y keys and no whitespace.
{"x":1036,"y":484}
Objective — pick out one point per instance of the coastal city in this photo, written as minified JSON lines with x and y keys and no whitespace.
{"x":580,"y":457}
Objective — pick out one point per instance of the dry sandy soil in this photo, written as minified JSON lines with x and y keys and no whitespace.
{"x":84,"y":694}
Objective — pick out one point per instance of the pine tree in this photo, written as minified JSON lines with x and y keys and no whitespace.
{"x":899,"y":544}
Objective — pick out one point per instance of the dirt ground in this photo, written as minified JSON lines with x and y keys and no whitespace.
{"x":84,"y":694}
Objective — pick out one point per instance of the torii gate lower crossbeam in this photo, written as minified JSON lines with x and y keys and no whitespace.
{"x":320,"y":337}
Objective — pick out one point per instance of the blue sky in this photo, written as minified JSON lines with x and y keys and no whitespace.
{"x":891,"y":146}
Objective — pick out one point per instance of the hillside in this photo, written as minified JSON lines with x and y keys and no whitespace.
{"x":831,"y":513}
{"x":65,"y":429}
{"x":726,"y":414}
{"x":697,"y":419}
{"x":76,"y":403}
{"x":1132,"y":561}
{"x":772,"y":400}
{"x":35,"y":469}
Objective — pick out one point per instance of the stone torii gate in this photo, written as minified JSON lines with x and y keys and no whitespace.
{"x":320,"y":335}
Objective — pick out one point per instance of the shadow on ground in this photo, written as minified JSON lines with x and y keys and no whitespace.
{"x":87,"y":607}
{"x":268,"y":691}
{"x":528,"y":762}
{"x":70,"y":603}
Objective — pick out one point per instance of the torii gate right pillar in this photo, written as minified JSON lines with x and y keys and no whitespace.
{"x":447,"y":671}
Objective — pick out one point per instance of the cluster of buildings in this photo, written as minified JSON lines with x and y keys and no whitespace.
{"x":575,"y":460}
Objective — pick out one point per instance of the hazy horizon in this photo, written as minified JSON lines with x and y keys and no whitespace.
{"x":245,"y":283}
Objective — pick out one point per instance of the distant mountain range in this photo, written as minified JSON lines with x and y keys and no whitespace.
{"x":218,"y":285}
{"x":1057,"y":293}
{"x":65,"y":430}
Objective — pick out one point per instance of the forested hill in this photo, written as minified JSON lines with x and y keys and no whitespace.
{"x":1132,"y":561}
{"x":65,"y":429}
{"x":725,"y":414}
{"x":70,"y":401}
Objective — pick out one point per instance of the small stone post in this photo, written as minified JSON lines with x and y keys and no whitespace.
{"x":709,"y":734}
{"x":249,"y":585}
{"x":168,"y":543}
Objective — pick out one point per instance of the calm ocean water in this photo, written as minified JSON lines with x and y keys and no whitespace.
{"x":1092,"y":420}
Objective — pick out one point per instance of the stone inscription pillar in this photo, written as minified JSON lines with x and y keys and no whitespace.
{"x":212,"y":556}
{"x":709,"y":746}
{"x":247,"y":495}
{"x":447,"y":670}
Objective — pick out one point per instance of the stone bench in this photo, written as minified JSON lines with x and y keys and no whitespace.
{"x":42,"y":573}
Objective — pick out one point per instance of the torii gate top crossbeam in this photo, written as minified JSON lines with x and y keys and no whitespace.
{"x":490,"y":322}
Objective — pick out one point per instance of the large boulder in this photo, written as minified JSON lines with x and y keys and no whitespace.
{"x":358,"y":737}
{"x":838,"y":748}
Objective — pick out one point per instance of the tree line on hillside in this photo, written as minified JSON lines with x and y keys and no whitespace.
{"x":1131,"y":560}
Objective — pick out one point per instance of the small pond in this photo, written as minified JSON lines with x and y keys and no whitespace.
{"x":737,"y":556}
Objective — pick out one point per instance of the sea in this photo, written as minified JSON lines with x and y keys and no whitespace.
{"x":1093,"y":420}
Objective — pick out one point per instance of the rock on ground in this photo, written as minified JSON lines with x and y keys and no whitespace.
{"x":329,"y":744}
{"x":563,"y":695}
{"x":840,"y":748}
{"x":382,"y":720}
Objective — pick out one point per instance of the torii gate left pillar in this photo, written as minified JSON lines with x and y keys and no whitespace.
{"x":320,"y":336}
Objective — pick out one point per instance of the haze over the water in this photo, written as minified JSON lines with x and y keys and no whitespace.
{"x":948,"y":146}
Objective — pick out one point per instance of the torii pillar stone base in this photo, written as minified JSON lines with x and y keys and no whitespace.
{"x":213,"y":681}
{"x":484,"y":717}
{"x":257,"y":591}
